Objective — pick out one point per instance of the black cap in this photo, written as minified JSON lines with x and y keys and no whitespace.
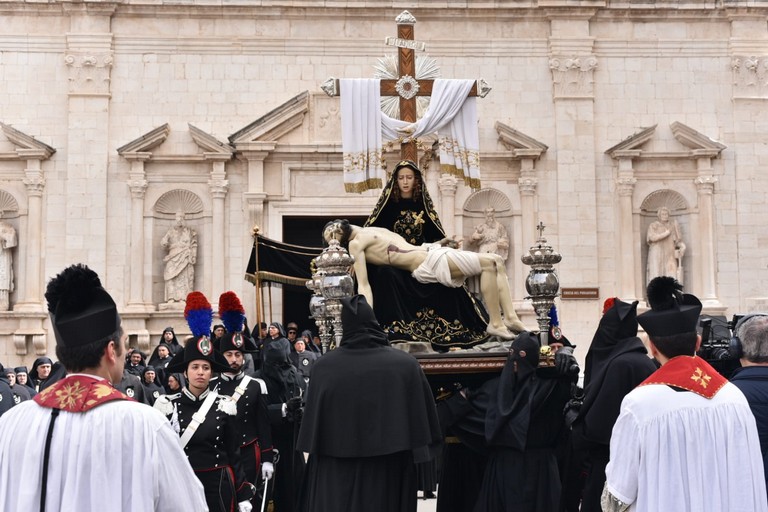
{"x":81,"y":310}
{"x":672,"y":312}
{"x":236,"y":341}
{"x":21,"y":369}
{"x":196,"y":349}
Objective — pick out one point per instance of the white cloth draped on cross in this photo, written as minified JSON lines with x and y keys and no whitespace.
{"x":451,"y":113}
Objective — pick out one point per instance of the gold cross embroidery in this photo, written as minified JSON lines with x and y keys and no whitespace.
{"x":701,"y":378}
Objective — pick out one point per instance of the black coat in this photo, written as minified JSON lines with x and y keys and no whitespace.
{"x":213,"y":447}
{"x":753,"y":382}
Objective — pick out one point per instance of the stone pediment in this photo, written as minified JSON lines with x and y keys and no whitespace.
{"x":142,"y":147}
{"x":274,"y":124}
{"x":208,"y":143}
{"x":633,"y":142}
{"x":26,"y":146}
{"x":520,"y":144}
{"x":697,"y":141}
{"x":146,"y":142}
{"x":697,"y":144}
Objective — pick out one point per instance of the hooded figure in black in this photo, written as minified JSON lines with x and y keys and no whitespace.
{"x":152,"y":390}
{"x":370,"y":416}
{"x":617,"y":361}
{"x":285,"y":388}
{"x":6,"y":393}
{"x":56,"y":374}
{"x":409,"y":310}
{"x":22,"y":374}
{"x":518,"y":416}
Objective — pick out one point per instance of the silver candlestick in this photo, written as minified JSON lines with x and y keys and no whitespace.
{"x":331,"y":282}
{"x":542,"y":283}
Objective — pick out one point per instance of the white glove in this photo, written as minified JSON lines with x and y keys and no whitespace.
{"x":267,"y":470}
{"x":245,"y":506}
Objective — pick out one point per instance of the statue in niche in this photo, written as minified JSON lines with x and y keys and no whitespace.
{"x":8,"y":241}
{"x":181,"y":243}
{"x":665,"y":247}
{"x":491,"y":236}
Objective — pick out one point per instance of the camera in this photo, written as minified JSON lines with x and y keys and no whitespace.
{"x":718,"y":346}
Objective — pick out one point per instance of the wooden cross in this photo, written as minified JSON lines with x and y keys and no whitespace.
{"x":406,"y":86}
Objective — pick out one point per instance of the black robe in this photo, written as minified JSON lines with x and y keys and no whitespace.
{"x":523,"y":421}
{"x":283,"y":383}
{"x":369,"y":417}
{"x":617,"y":361}
{"x":409,"y":310}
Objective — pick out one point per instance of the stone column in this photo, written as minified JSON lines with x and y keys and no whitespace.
{"x":88,"y":59}
{"x":255,"y":153}
{"x":625,"y":186}
{"x":575,"y":214}
{"x":30,"y":287}
{"x":137,"y":184}
{"x":448,"y":185}
{"x":218,"y":186}
{"x":705,"y":186}
{"x":527,"y":185}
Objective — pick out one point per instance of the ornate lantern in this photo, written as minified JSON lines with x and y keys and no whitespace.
{"x":542,"y":282}
{"x":330,"y":282}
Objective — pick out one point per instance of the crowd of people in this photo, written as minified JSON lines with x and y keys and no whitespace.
{"x":230,"y":419}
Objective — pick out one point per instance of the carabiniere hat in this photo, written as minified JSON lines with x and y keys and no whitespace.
{"x":199,"y":315}
{"x":232,"y":313}
{"x":672,"y":312}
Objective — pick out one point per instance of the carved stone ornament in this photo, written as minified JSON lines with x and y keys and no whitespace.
{"x":573,"y":76}
{"x":483,"y":88}
{"x":750,"y":77}
{"x":407,"y":87}
{"x":405,"y":18}
{"x":330,"y":87}
{"x":89,"y":73}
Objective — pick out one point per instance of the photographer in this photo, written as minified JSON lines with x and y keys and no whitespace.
{"x":752,"y":378}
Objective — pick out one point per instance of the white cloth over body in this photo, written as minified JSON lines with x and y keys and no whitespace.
{"x":451,"y":113}
{"x":674,"y":451}
{"x":119,"y":456}
{"x":435,"y":268}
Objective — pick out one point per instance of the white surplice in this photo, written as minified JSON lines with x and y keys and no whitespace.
{"x":119,"y":456}
{"x":674,"y":451}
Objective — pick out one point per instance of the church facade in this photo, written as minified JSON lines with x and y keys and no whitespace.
{"x":117,"y":116}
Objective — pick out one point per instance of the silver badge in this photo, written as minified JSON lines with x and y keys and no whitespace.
{"x":129,"y":392}
{"x":204,"y":346}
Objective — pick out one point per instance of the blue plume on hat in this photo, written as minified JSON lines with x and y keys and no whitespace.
{"x":231,"y":312}
{"x":199,"y":314}
{"x":553,"y":320}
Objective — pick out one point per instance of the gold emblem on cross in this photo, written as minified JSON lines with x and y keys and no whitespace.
{"x":700,"y":377}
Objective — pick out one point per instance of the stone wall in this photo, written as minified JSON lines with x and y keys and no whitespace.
{"x":596,"y":105}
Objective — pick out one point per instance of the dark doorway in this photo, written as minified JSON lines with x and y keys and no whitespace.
{"x":307,"y":232}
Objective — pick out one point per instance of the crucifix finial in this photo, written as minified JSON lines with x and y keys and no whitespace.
{"x":540,"y":229}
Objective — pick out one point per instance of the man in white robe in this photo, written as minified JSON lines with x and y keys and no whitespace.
{"x":685,"y":439}
{"x":80,"y":444}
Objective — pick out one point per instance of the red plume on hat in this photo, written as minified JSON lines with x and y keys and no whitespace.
{"x":231,"y":312}
{"x":608,"y":304}
{"x":199,"y":314}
